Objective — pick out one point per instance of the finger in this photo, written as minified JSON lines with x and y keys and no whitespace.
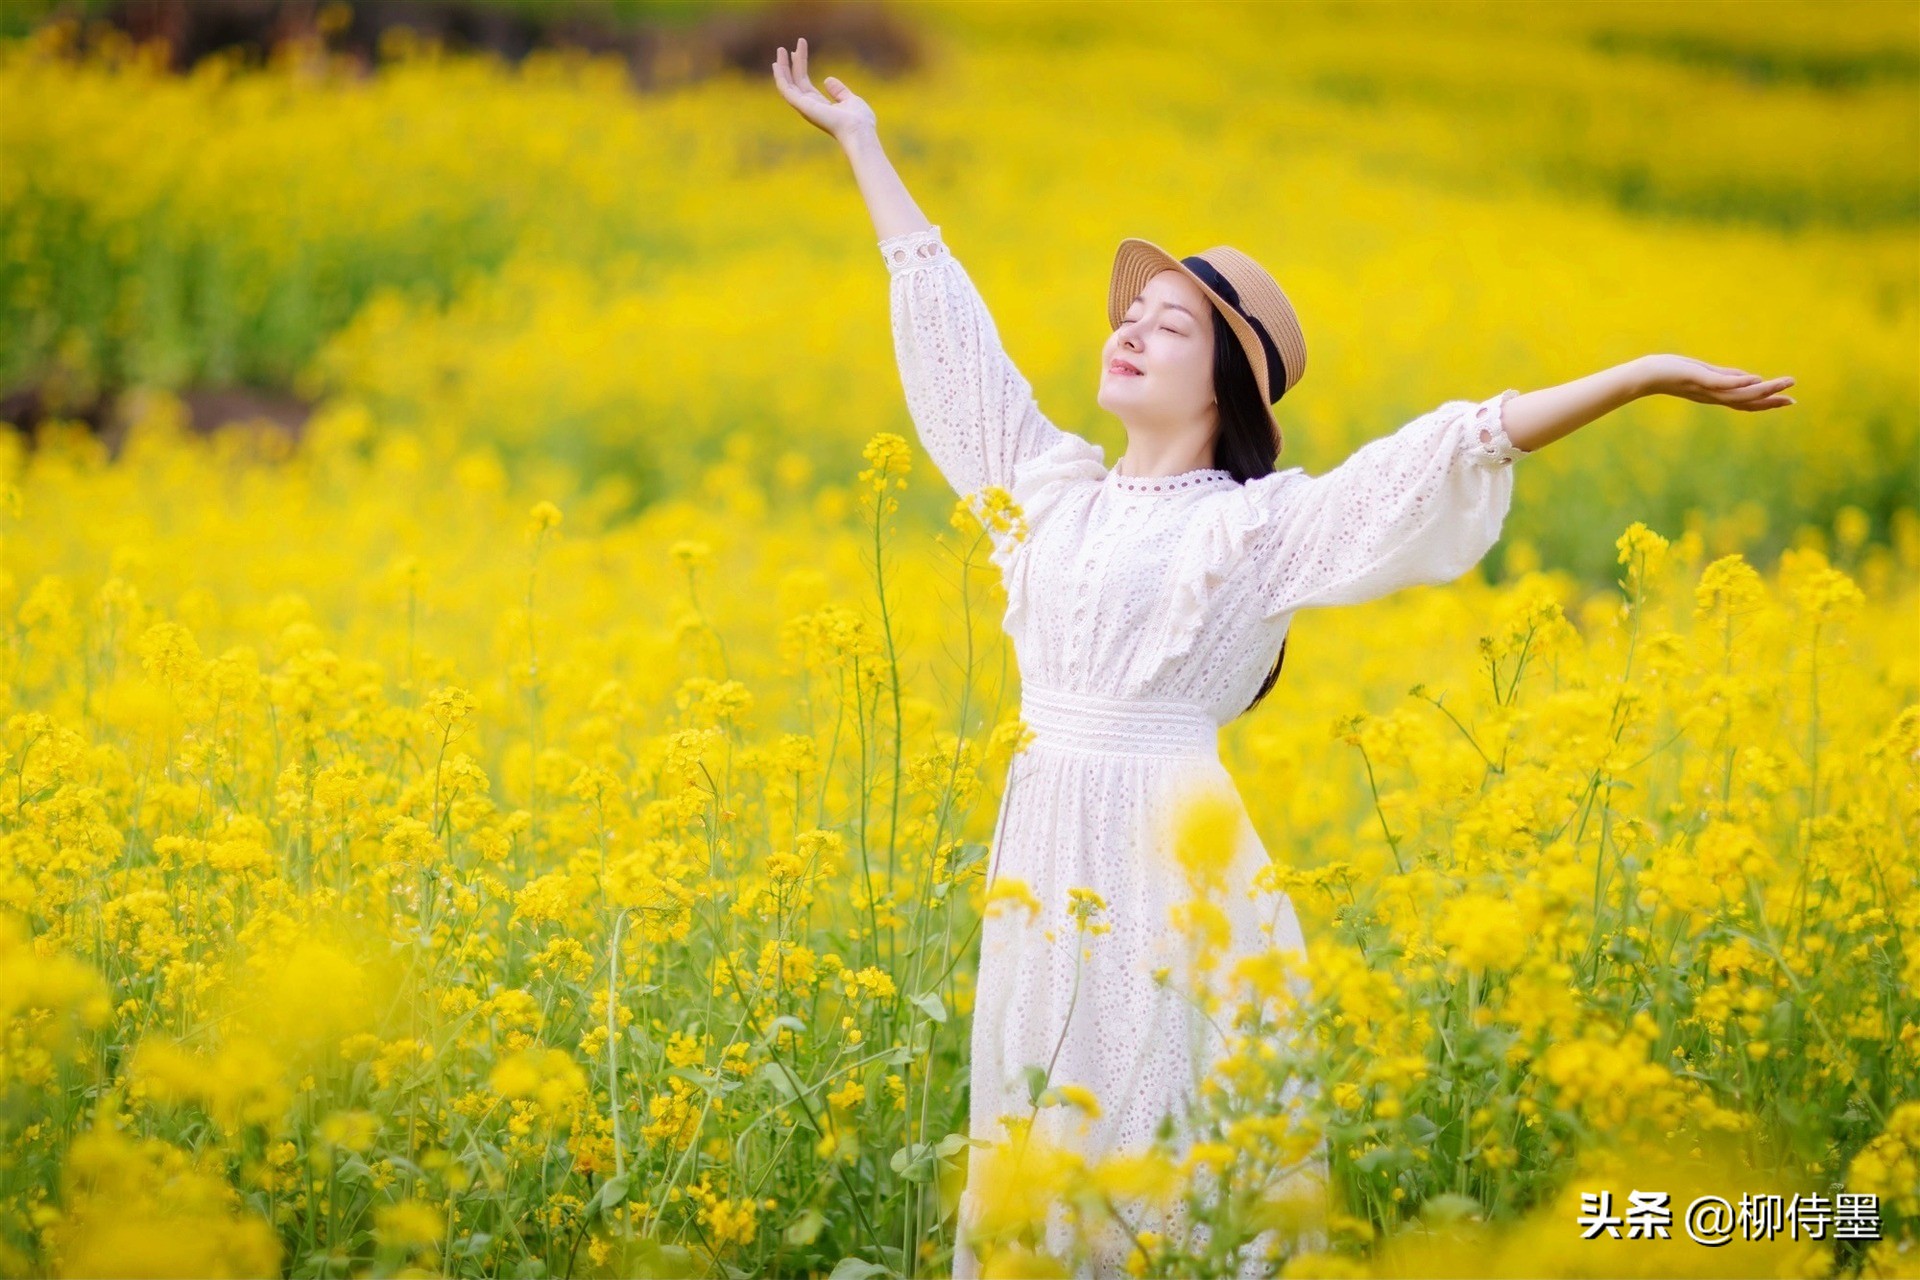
{"x":783,"y":78}
{"x":800,"y":66}
{"x":834,"y":87}
{"x":1750,"y":395}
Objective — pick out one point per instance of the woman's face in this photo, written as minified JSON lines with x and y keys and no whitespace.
{"x":1167,"y":340}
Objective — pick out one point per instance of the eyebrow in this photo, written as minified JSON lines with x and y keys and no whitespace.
{"x":1176,"y":306}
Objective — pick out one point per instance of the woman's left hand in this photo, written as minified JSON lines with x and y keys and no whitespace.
{"x":1697,"y":380}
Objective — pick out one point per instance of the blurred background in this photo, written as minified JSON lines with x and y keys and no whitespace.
{"x":430,"y":545}
{"x":593,"y":235}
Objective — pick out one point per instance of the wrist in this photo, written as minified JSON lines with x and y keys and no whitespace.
{"x":860,"y":141}
{"x":1642,"y":376}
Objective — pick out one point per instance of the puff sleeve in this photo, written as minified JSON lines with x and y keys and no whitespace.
{"x":1419,"y":506}
{"x":974,"y":411}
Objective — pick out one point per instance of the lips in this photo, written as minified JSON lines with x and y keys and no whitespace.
{"x":1124,"y":369}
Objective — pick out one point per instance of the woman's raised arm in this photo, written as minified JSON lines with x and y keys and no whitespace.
{"x":1424,"y":504}
{"x":1541,"y":417}
{"x":848,"y":120}
{"x":973,"y":409}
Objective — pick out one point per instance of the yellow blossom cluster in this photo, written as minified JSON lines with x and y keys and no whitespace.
{"x":539,"y":819}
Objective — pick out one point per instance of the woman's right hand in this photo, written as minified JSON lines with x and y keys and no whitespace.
{"x":843,"y":115}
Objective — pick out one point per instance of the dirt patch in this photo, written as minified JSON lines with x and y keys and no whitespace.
{"x":263,"y":409}
{"x":659,"y":49}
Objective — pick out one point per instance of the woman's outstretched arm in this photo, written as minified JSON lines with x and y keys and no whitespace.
{"x":1540,"y":417}
{"x":1424,"y":504}
{"x":847,"y":118}
{"x":972,"y":408}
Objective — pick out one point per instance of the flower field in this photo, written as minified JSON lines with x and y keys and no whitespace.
{"x":533,"y":823}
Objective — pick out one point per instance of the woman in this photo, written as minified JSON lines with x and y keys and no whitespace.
{"x":1148,"y":604}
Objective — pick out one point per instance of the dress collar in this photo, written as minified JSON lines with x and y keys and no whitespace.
{"x":1202,"y":477}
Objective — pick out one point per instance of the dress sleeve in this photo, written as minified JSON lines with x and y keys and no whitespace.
{"x":974,"y":411}
{"x":1419,"y":506}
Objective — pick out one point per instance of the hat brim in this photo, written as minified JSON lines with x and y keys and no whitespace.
{"x":1138,"y":261}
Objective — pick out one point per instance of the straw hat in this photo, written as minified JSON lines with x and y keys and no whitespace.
{"x":1250,"y":299}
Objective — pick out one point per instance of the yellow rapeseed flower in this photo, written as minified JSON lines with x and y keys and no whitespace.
{"x":1206,"y":834}
{"x":408,"y":1224}
{"x":888,"y":462}
{"x":1011,"y":893}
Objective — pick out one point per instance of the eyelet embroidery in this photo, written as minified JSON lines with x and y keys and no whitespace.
{"x":1488,"y":441}
{"x":913,"y":248}
{"x":1169,"y":484}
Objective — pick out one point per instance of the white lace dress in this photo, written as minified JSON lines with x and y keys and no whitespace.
{"x":1144,"y":614}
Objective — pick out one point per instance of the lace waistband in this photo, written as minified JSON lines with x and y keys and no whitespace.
{"x":1118,"y":726}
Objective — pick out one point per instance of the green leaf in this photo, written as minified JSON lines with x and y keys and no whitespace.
{"x":931,"y":1006}
{"x":650,"y":1260}
{"x":709,"y":1084}
{"x":476,"y":1243}
{"x":354,"y":1169}
{"x":805,"y":1229}
{"x":1036,"y":1083}
{"x":405,"y":1165}
{"x":914,"y":1163}
{"x":609,"y":1196}
{"x":322,"y":1262}
{"x":857,"y":1269}
{"x":1374,"y":1157}
{"x":780,"y":1078}
{"x":952,"y":1143}
{"x":786,"y":1020}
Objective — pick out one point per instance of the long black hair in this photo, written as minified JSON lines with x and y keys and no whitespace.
{"x":1244,"y":448}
